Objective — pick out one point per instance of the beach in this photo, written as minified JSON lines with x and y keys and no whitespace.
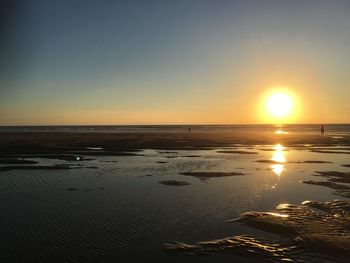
{"x":175,"y":131}
{"x":78,"y":138}
{"x":251,"y":194}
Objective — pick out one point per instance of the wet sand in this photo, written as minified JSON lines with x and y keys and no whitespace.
{"x":152,"y":194}
{"x":174,"y":183}
{"x":310,"y":232}
{"x":335,"y":180}
{"x":119,"y":143}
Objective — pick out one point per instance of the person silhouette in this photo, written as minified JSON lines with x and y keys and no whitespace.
{"x":322,"y":130}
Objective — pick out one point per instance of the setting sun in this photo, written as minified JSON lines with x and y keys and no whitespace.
{"x":279,"y":104}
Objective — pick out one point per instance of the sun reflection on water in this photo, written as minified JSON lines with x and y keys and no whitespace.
{"x":280,"y":131}
{"x":278,"y":157}
{"x":277,"y":169}
{"x":279,"y":147}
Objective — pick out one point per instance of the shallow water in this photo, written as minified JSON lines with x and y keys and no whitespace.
{"x":120,"y":210}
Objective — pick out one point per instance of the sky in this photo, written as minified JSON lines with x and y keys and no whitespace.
{"x":75,"y":62}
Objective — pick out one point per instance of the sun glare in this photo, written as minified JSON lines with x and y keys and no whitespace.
{"x":279,"y":105}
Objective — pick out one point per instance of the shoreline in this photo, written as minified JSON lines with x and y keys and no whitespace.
{"x":42,"y":142}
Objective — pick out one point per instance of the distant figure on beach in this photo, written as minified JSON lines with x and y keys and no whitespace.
{"x":322,"y":130}
{"x":189,"y":129}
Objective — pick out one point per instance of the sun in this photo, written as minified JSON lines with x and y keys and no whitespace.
{"x":279,"y":105}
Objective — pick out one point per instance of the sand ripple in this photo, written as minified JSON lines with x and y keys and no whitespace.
{"x":311,"y":232}
{"x":335,"y":180}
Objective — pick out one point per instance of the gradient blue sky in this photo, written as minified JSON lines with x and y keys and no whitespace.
{"x":163,"y":62}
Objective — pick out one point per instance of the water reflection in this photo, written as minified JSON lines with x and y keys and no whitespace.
{"x":280,"y":131}
{"x":277,"y":169}
{"x":278,"y":157}
{"x":305,"y":231}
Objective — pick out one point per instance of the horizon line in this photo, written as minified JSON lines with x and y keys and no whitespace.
{"x":171,"y":124}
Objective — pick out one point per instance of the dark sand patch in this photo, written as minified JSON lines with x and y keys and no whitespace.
{"x":238,"y":152}
{"x":267,"y":149}
{"x":327,"y":184}
{"x":161,"y":162}
{"x":345,"y":165}
{"x":330,"y":148}
{"x":16,"y":161}
{"x":327,"y":151}
{"x":44,"y":167}
{"x":72,"y":189}
{"x":271,"y":150}
{"x":309,"y":161}
{"x":267,"y":161}
{"x":307,"y":235}
{"x":177,"y":156}
{"x":211,"y":174}
{"x":334,"y":182}
{"x":174,"y":183}
{"x":335,"y":176}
